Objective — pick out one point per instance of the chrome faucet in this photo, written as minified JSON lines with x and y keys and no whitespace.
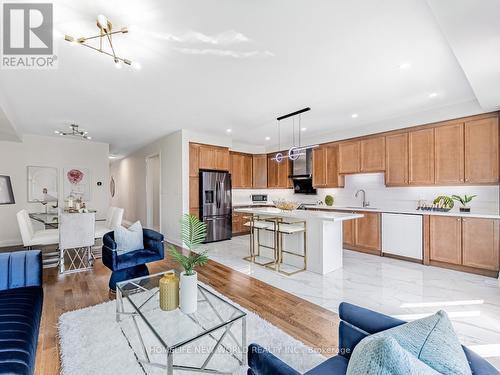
{"x":365,"y":203}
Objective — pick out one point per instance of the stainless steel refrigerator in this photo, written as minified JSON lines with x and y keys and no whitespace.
{"x":215,"y":204}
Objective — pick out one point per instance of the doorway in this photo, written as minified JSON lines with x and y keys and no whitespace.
{"x":153,"y":192}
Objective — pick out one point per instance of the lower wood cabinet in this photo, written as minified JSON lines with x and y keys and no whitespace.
{"x":239,"y":220}
{"x":363,"y":234}
{"x":467,"y":244}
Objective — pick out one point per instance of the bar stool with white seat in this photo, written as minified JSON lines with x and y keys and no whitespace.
{"x":114,"y":219}
{"x":76,"y":238}
{"x":31,"y":237}
{"x":289,"y":228}
{"x":257,"y":224}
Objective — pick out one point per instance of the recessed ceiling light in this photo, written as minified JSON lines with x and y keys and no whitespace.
{"x":303,"y":129}
{"x":268,"y":138}
{"x":112,"y":156}
{"x":433,"y":94}
{"x":405,"y":65}
{"x":354,"y":115}
{"x":228,"y":130}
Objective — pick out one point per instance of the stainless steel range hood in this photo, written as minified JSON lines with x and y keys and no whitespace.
{"x":302,"y":167}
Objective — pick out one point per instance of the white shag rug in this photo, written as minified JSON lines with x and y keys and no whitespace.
{"x":92,"y":342}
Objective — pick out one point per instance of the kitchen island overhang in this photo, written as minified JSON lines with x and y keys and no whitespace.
{"x":324,"y":234}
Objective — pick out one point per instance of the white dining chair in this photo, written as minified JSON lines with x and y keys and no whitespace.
{"x":76,"y":239}
{"x":31,"y":237}
{"x":114,"y":219}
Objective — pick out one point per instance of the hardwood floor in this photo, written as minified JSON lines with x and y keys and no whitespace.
{"x":309,"y":323}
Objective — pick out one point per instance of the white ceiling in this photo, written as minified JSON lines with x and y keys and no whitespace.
{"x":209,"y":65}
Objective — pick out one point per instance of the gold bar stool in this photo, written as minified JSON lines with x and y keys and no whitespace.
{"x":288,"y":228}
{"x":257,"y":224}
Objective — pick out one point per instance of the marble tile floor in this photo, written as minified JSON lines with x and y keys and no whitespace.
{"x":401,"y":289}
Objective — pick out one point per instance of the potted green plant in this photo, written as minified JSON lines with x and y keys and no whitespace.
{"x":464,"y":201}
{"x":193,"y":233}
{"x":329,"y":200}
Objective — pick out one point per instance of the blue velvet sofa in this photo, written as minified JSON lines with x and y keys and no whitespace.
{"x":132,"y":264}
{"x":21,"y":299}
{"x":356,"y":323}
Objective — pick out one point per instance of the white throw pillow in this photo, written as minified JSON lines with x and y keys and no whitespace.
{"x":129,"y":239}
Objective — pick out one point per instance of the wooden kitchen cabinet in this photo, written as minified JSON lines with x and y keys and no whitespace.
{"x":325,"y":167}
{"x":194,"y":157}
{"x":348,"y":233}
{"x":449,"y":154}
{"x":213,"y":157}
{"x":481,"y":151}
{"x":480,"y":243}
{"x":367,"y":232}
{"x":349,"y":157}
{"x":241,"y":170}
{"x":259,"y":171}
{"x":372,"y":155}
{"x":238,"y":223}
{"x":421,"y":157}
{"x":396,"y":159}
{"x":277,"y":173}
{"x":272,"y":172}
{"x":445,"y":239}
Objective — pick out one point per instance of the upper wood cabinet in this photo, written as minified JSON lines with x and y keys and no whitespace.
{"x":396,"y":159}
{"x":449,"y":154}
{"x":421,"y":157}
{"x":481,"y":151}
{"x":194,"y":150}
{"x":241,"y":170}
{"x":445,"y":239}
{"x":480,"y":241}
{"x":213,"y":157}
{"x":349,"y":157}
{"x":277,"y":173}
{"x":259,"y":170}
{"x":372,"y":154}
{"x":325,"y":167}
{"x":272,"y":172}
{"x":364,"y":156}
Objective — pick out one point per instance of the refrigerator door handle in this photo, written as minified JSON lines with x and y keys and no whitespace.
{"x":217,"y":194}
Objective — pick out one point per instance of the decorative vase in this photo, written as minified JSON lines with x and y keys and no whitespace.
{"x":464,"y":209}
{"x":189,"y":293}
{"x":169,"y":292}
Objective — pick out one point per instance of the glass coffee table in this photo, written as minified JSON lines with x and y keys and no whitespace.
{"x":215,"y":318}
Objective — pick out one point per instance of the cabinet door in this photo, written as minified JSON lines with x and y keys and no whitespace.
{"x":207,"y":157}
{"x":319,"y":167}
{"x":367,"y":231}
{"x":449,"y":157}
{"x":247,"y":171}
{"x":348,"y":232}
{"x":236,"y":169}
{"x":481,"y":151}
{"x":194,"y":151}
{"x":445,"y":239}
{"x":272,"y":172}
{"x":222,"y":159}
{"x":421,"y":157}
{"x":259,"y":171}
{"x":396,"y":159}
{"x":333,"y":179}
{"x":480,"y":243}
{"x":284,"y":169}
{"x":372,"y":154}
{"x":349,"y":157}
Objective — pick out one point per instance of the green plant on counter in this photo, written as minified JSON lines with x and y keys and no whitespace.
{"x":464,"y":200}
{"x":329,"y":200}
{"x":193,"y":233}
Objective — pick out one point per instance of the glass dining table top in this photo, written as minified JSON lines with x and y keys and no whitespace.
{"x":50,"y":219}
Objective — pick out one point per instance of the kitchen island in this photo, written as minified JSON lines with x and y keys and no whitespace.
{"x":324,"y":234}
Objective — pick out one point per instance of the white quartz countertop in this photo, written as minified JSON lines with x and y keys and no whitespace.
{"x":300,"y":214}
{"x":481,"y":215}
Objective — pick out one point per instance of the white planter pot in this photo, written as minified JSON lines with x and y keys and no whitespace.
{"x":188,"y":293}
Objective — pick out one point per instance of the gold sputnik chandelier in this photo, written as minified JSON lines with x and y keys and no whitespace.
{"x":105,"y":36}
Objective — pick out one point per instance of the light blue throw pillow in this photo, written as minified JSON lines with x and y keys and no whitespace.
{"x":432,"y":340}
{"x":129,"y":239}
{"x":384,"y":356}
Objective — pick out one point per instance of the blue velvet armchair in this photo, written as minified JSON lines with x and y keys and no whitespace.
{"x":21,"y":300}
{"x":132,"y":264}
{"x":356,"y":323}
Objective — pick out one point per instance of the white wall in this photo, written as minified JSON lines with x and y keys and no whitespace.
{"x":57,"y":152}
{"x":130,"y":179}
{"x":406,"y":198}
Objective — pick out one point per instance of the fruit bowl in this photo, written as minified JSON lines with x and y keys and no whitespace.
{"x":285,"y":205}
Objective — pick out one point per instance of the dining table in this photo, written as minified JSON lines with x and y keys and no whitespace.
{"x":51,"y":220}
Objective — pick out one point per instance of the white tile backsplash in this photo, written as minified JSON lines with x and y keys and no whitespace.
{"x":487,"y":200}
